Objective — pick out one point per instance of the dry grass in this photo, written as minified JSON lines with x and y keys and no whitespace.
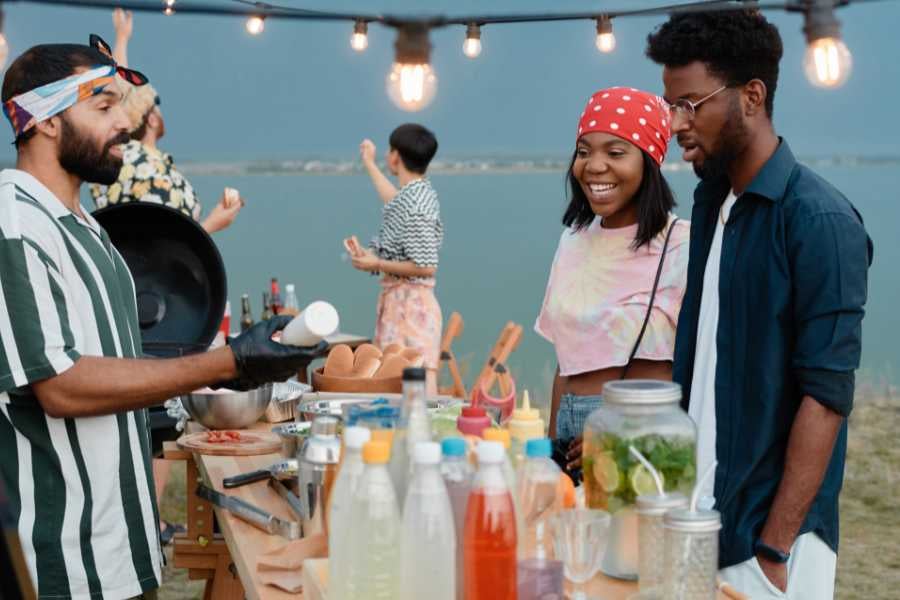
{"x":869,"y":561}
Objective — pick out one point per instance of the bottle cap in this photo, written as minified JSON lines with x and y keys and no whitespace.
{"x":427,"y":453}
{"x":453,"y":446}
{"x":376,"y":453}
{"x":355,"y":437}
{"x":414,"y":374}
{"x":495,"y":434}
{"x":693,"y":521}
{"x":490,"y":452}
{"x":538,"y":447}
{"x":473,"y":412}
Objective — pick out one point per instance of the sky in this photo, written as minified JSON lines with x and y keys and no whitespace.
{"x":298,"y":90}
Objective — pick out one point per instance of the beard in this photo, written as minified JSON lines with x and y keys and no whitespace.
{"x":80,"y":156}
{"x":731,"y":143}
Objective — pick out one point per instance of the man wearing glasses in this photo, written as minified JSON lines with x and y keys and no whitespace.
{"x":769,"y":334}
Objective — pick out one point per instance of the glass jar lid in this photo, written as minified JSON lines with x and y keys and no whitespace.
{"x":693,"y":521}
{"x":641,"y":391}
{"x":656,"y":505}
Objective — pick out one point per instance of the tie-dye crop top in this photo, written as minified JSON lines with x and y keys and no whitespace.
{"x":598,"y":294}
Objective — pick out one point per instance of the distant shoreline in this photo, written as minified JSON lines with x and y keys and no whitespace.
{"x":469,"y":166}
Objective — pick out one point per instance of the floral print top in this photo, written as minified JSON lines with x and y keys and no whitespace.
{"x":598,"y":294}
{"x":148,"y":175}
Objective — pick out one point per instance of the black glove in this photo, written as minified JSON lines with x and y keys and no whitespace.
{"x":261,"y":360}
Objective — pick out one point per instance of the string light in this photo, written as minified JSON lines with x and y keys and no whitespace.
{"x":4,"y":45}
{"x":827,"y":60}
{"x":606,"y":39}
{"x":255,"y":25}
{"x":169,"y":9}
{"x":472,"y":45}
{"x":359,"y":41}
{"x":412,"y":84}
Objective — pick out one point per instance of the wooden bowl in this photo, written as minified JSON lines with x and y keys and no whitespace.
{"x":362,"y":385}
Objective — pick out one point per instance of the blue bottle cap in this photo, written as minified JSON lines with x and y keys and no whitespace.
{"x":538,"y":447}
{"x":453,"y":446}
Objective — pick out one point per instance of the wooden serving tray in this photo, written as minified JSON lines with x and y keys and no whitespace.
{"x":251,"y":443}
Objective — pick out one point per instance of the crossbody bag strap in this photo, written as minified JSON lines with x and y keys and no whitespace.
{"x":659,"y":269}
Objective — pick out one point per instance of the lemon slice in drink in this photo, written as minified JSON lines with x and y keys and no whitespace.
{"x":642,"y":481}
{"x":606,"y":472}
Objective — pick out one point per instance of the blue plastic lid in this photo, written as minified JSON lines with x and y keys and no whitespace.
{"x":538,"y":447}
{"x":453,"y":446}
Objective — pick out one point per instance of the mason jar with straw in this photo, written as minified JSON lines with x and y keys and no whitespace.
{"x":691,"y":549}
{"x":651,"y":540}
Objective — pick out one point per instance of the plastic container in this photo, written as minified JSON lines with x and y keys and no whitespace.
{"x":457,"y":473}
{"x":644,"y":414}
{"x":428,"y":544}
{"x":525,"y":424}
{"x":341,"y":502}
{"x":691,"y":556}
{"x":473,"y":420}
{"x":373,"y":544}
{"x":651,"y":508}
{"x":489,"y":541}
{"x":413,"y":427}
{"x":539,"y":499}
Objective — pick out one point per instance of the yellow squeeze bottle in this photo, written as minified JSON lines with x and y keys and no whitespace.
{"x":524,"y":424}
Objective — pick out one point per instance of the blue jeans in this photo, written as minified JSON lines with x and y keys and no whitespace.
{"x":572,"y":414}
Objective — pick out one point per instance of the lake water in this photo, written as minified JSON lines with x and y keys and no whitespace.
{"x":501,"y":234}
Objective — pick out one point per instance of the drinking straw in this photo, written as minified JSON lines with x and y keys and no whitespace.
{"x":695,"y":495}
{"x":649,"y":466}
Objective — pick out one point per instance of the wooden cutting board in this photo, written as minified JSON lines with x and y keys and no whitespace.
{"x":251,"y":443}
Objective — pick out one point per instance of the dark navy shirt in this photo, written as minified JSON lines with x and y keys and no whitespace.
{"x":792,"y":286}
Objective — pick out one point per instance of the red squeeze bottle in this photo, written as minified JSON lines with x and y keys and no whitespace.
{"x":489,"y":538}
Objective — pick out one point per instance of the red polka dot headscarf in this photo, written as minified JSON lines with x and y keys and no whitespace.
{"x":638,"y":117}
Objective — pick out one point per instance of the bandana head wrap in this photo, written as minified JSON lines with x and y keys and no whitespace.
{"x":30,"y":108}
{"x":635,"y":116}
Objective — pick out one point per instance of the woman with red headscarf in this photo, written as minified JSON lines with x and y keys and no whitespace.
{"x":620,"y":270}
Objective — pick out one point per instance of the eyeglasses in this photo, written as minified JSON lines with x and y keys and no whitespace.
{"x":130,"y":75}
{"x":685,"y":108}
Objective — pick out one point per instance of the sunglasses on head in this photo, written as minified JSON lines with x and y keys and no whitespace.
{"x":130,"y":75}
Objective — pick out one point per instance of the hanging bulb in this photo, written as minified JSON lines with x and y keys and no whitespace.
{"x":359,"y":41}
{"x":412,"y":84}
{"x":169,"y":9}
{"x":255,"y":25}
{"x":827,"y":60}
{"x":606,"y":39}
{"x":472,"y":45}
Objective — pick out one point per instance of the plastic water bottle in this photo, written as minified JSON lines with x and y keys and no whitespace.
{"x":539,"y":497}
{"x":457,"y":474}
{"x":373,"y":544}
{"x":414,"y":427}
{"x":341,"y":502}
{"x":428,"y":544}
{"x":489,"y":552}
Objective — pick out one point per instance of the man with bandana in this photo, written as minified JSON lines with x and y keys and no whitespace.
{"x":769,"y":333}
{"x":73,"y":432}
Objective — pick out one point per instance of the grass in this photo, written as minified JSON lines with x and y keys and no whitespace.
{"x":869,"y":558}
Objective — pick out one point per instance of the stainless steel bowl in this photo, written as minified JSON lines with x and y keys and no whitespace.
{"x":292,"y":436}
{"x":226,"y":409}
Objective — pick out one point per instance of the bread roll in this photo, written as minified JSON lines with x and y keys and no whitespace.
{"x":415,"y":357}
{"x":339,"y":362}
{"x":364,"y":352}
{"x":366,"y":367}
{"x":392,"y":366}
{"x":392,"y":349}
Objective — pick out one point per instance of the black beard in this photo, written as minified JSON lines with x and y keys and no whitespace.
{"x":80,"y":157}
{"x":732,"y":141}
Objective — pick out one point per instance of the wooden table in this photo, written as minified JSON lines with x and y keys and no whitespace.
{"x":228,"y":560}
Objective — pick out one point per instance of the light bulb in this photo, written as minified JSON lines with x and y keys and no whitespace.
{"x":472,"y":47}
{"x":359,"y":41}
{"x":169,"y":11}
{"x":411,"y":87}
{"x":828,"y":62}
{"x":4,"y":50}
{"x":255,"y":25}
{"x":606,"y":39}
{"x":606,"y":42}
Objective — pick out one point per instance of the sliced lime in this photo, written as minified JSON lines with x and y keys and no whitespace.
{"x":606,"y":472}
{"x":642,"y":481}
